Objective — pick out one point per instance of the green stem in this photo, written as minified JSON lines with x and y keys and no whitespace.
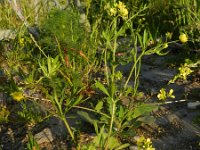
{"x":36,"y":44}
{"x":111,"y":123}
{"x":133,"y":68}
{"x":106,"y":67}
{"x":136,"y":80}
{"x":91,"y":110}
{"x":114,"y":50}
{"x":112,"y":118}
{"x":68,"y":127}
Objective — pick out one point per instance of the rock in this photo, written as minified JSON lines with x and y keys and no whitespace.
{"x":162,"y":121}
{"x":136,"y":138}
{"x":193,"y":105}
{"x":7,"y":34}
{"x":133,"y":147}
{"x":157,"y":75}
{"x":194,"y":93}
{"x":57,"y":127}
{"x":173,"y":117}
{"x":45,"y":136}
{"x":181,"y":113}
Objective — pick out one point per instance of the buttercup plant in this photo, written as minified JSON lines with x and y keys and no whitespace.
{"x":184,"y":71}
{"x":61,"y":70}
{"x":119,"y":9}
{"x":120,"y":117}
{"x":144,"y":144}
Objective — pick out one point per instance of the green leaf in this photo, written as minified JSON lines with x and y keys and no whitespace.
{"x":113,"y":143}
{"x":121,"y":111}
{"x":147,"y":119}
{"x":128,"y":133}
{"x":99,"y":106}
{"x":145,"y":38}
{"x":96,"y":127}
{"x":84,"y":115}
{"x":99,"y":139}
{"x":143,"y":109}
{"x":123,"y":146}
{"x":102,"y":88}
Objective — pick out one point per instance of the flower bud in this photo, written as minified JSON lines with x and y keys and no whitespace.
{"x":183,"y":38}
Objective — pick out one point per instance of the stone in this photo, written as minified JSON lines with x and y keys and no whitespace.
{"x":193,"y":105}
{"x":7,"y":34}
{"x":173,"y":117}
{"x":45,"y":136}
{"x":133,"y":147}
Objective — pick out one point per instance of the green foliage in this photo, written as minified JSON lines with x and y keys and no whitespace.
{"x":64,"y":26}
{"x":32,"y":143}
{"x":50,"y":66}
{"x":64,"y":62}
{"x":143,"y":109}
{"x":100,"y":139}
{"x":4,"y":113}
{"x":31,"y":114}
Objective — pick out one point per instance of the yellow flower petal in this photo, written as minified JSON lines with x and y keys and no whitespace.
{"x":18,"y":96}
{"x":113,"y":12}
{"x":165,"y":45}
{"x":183,"y":38}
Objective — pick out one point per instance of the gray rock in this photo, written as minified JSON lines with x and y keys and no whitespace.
{"x":157,"y":75}
{"x":162,"y":121}
{"x":7,"y":34}
{"x":173,"y":117}
{"x":181,"y":113}
{"x":45,"y":136}
{"x":193,"y":105}
{"x":133,"y":147}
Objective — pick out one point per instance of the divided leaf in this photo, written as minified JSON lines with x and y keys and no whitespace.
{"x":102,"y":88}
{"x":99,"y":106}
{"x":143,"y":109}
{"x":85,"y":116}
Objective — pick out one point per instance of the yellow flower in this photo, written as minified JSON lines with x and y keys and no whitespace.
{"x":165,"y":45}
{"x":170,"y":94}
{"x":163,"y":95}
{"x":123,"y":12}
{"x":21,"y":41}
{"x":113,"y":11}
{"x":18,"y":96}
{"x":185,"y":71}
{"x":150,"y":148}
{"x":120,"y":5}
{"x":148,"y":140}
{"x":183,"y":38}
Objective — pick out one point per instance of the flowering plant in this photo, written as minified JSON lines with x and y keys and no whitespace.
{"x":163,"y":95}
{"x":120,"y":10}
